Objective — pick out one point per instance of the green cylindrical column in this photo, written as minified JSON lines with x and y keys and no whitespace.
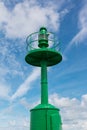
{"x":44,"y":83}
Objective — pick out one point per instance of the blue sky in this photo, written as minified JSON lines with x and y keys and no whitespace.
{"x":20,"y":82}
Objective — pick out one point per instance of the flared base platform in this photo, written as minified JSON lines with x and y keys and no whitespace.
{"x":34,"y":57}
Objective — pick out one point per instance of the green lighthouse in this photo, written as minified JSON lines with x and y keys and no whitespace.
{"x":43,"y":52}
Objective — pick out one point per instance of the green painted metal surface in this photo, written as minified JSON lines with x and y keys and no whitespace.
{"x":34,"y":57}
{"x":44,"y":84}
{"x":44,"y":116}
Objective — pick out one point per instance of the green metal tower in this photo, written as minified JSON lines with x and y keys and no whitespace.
{"x":43,"y":52}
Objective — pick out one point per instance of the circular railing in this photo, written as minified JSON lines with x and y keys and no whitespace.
{"x":32,"y":42}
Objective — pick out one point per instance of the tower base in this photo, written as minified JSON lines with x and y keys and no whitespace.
{"x":45,"y":117}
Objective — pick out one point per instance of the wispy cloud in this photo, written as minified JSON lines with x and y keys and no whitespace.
{"x":81,"y":36}
{"x":70,"y":69}
{"x":26,"y":85}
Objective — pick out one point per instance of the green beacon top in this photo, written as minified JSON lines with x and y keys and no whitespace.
{"x":47,"y":48}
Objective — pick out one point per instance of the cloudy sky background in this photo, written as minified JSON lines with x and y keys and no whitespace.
{"x":20,"y":82}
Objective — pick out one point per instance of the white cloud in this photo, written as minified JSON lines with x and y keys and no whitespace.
{"x":4,"y":91}
{"x":10,"y":64}
{"x":12,"y":119}
{"x":3,"y":13}
{"x":26,"y":85}
{"x":12,"y":122}
{"x":73,"y":111}
{"x":27,"y":16}
{"x":84,"y":101}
